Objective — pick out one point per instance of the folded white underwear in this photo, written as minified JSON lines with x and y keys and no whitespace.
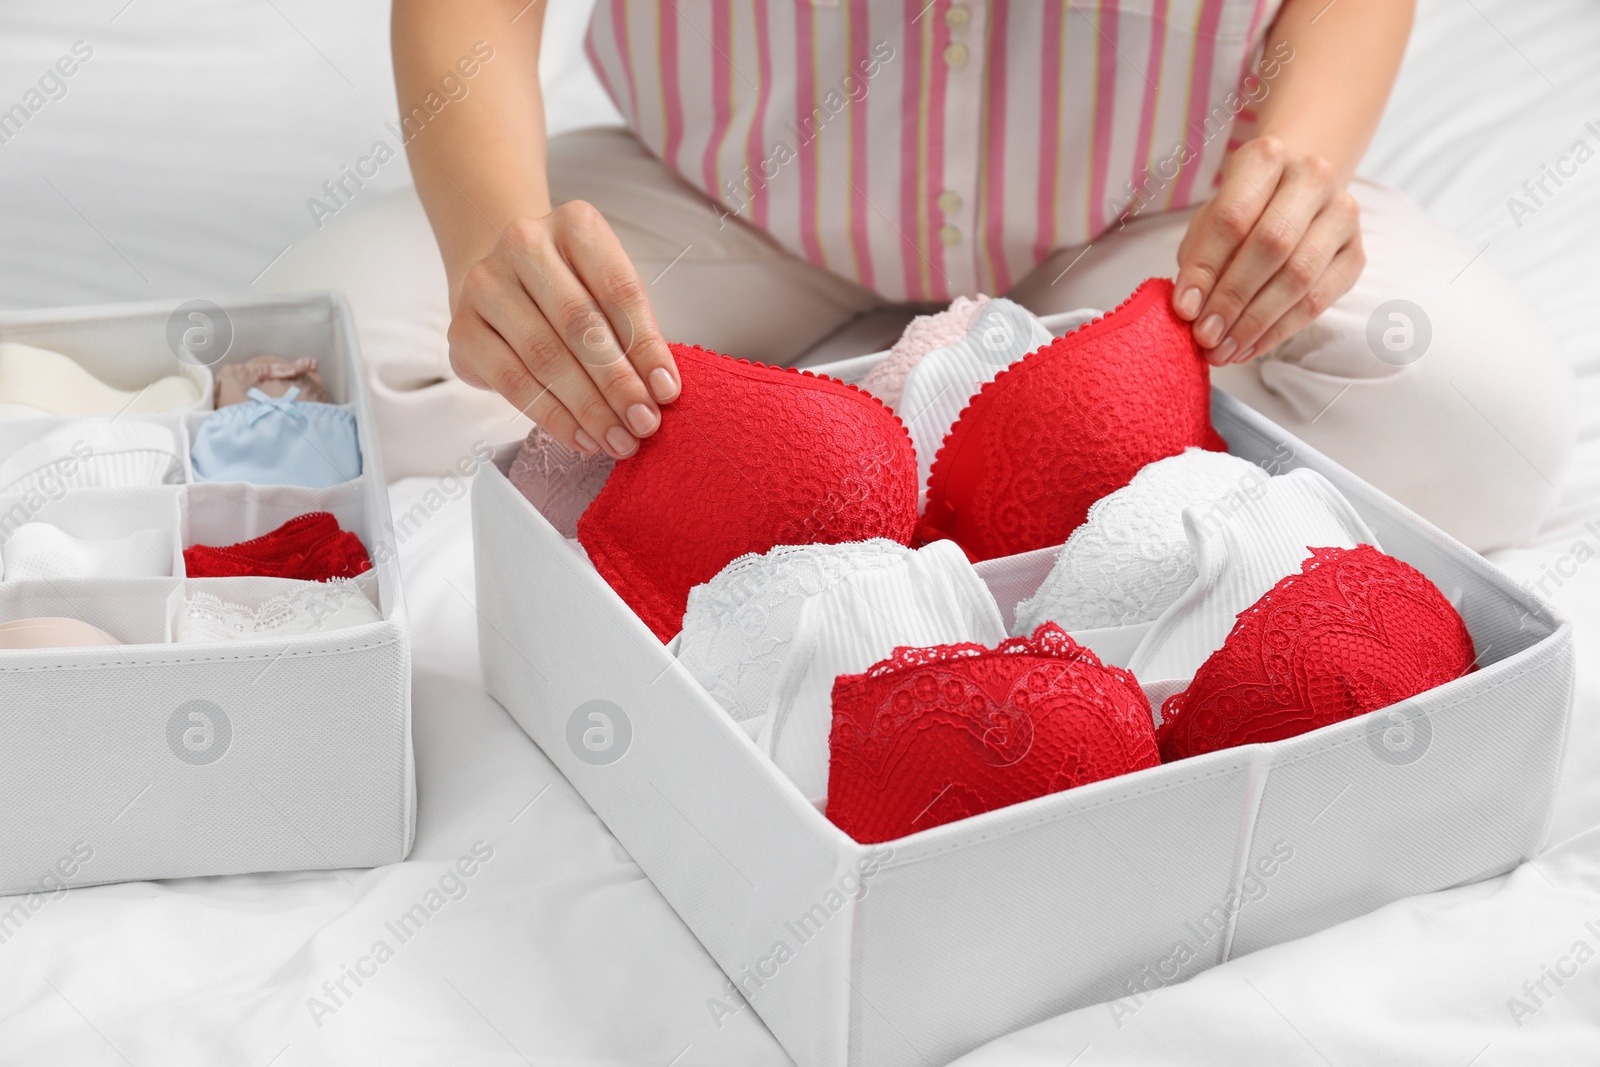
{"x":89,"y":453}
{"x":317,"y":607}
{"x":1243,"y":546}
{"x":38,"y":551}
{"x":944,"y":381}
{"x":37,"y":381}
{"x":1130,"y":559}
{"x":929,"y":597}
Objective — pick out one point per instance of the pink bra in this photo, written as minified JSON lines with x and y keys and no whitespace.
{"x":750,"y":457}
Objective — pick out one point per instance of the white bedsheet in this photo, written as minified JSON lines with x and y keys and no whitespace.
{"x":560,"y":952}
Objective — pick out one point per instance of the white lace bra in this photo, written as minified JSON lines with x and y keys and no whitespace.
{"x":1131,"y":559}
{"x":313,"y":607}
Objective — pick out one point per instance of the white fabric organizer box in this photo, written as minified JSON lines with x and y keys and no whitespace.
{"x":238,"y":724}
{"x":920,"y":949}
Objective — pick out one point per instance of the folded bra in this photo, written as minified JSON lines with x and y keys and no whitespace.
{"x":313,"y":609}
{"x":887,"y":378}
{"x":281,"y":440}
{"x":1131,"y":559}
{"x":273,"y":376}
{"x":750,"y":457}
{"x":52,"y":632}
{"x":37,"y":381}
{"x":40,"y":551}
{"x":310,"y":547}
{"x":932,"y":735}
{"x":561,"y":482}
{"x":1351,"y":631}
{"x":91,"y":453}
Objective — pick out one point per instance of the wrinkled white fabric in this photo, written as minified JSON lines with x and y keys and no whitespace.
{"x":38,"y":551}
{"x":928,"y":597}
{"x":36,"y":381}
{"x":88,"y":453}
{"x":738,"y":626}
{"x":317,"y":607}
{"x":1131,"y":559}
{"x":1243,"y":545}
{"x":945,"y":380}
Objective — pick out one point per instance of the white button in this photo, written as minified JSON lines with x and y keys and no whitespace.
{"x":957,"y":17}
{"x":955,"y":54}
{"x":949,"y":234}
{"x":949,"y":201}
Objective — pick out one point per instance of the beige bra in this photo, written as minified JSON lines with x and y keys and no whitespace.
{"x":52,"y":632}
{"x":36,"y":381}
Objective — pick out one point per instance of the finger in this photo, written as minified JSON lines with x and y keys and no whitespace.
{"x":509,"y":309}
{"x":1302,"y":194}
{"x":1333,"y":228}
{"x":570,"y":309}
{"x":602,"y":265}
{"x":476,"y":345}
{"x":1334,"y":283}
{"x":1223,"y":224}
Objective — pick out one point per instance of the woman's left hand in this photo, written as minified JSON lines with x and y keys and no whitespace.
{"x":1278,"y":244}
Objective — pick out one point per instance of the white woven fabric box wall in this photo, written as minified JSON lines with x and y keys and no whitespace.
{"x":916,"y":951}
{"x":159,"y":759}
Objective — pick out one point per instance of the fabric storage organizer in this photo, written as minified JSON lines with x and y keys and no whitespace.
{"x":918,"y":950}
{"x":312,"y":763}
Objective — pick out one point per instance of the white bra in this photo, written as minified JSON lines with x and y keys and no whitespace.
{"x":1243,"y":546}
{"x":39,"y":551}
{"x":945,"y":380}
{"x":1130,"y":559}
{"x":930,"y":596}
{"x":89,"y":453}
{"x":887,"y":378}
{"x":37,"y":381}
{"x":316,"y":607}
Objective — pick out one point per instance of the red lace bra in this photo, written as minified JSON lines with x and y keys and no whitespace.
{"x":932,"y":735}
{"x":1355,"y":630}
{"x":751,"y":456}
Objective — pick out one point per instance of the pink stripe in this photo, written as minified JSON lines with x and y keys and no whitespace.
{"x":755,"y":147}
{"x":1205,"y":49}
{"x":805,"y":102}
{"x":619,"y":29}
{"x":995,"y":150}
{"x":721,"y":98}
{"x":1152,"y":94}
{"x":1050,"y":50}
{"x":860,"y":242}
{"x":671,"y":88}
{"x":1105,"y":112}
{"x":937,"y":92}
{"x":910,"y":94}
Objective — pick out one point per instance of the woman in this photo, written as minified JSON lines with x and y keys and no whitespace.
{"x":800,"y":169}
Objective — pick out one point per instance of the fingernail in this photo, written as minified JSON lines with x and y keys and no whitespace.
{"x":642,"y":419}
{"x":1209,"y":330}
{"x":1189,"y":302}
{"x":621,"y":442}
{"x":1225,"y":350}
{"x":585,"y":442}
{"x":663,"y":385}
{"x":1244,"y":356}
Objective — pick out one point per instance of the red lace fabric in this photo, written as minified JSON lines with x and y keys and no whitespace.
{"x":932,"y":735}
{"x":1069,"y":424}
{"x":310,"y":547}
{"x":748,"y":457}
{"x":1354,"y":631}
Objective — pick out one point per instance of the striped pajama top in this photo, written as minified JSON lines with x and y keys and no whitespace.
{"x":931,"y":149}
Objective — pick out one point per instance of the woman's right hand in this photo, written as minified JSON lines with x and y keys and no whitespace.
{"x":555,"y":319}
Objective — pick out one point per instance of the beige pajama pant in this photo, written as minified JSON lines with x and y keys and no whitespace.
{"x":1475,"y":433}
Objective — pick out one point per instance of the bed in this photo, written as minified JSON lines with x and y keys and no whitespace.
{"x":559,"y":951}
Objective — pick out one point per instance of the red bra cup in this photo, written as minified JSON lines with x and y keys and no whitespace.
{"x":1069,"y":424}
{"x":309,"y":547}
{"x":748,"y":457}
{"x":932,"y":735}
{"x":1354,"y":631}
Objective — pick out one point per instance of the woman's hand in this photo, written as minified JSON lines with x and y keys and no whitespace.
{"x":1278,"y":244}
{"x":555,"y":319}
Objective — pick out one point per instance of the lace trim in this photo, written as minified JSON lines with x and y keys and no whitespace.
{"x":1049,"y":641}
{"x":304,"y":610}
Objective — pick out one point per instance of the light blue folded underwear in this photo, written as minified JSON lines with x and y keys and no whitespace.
{"x":277,"y":441}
